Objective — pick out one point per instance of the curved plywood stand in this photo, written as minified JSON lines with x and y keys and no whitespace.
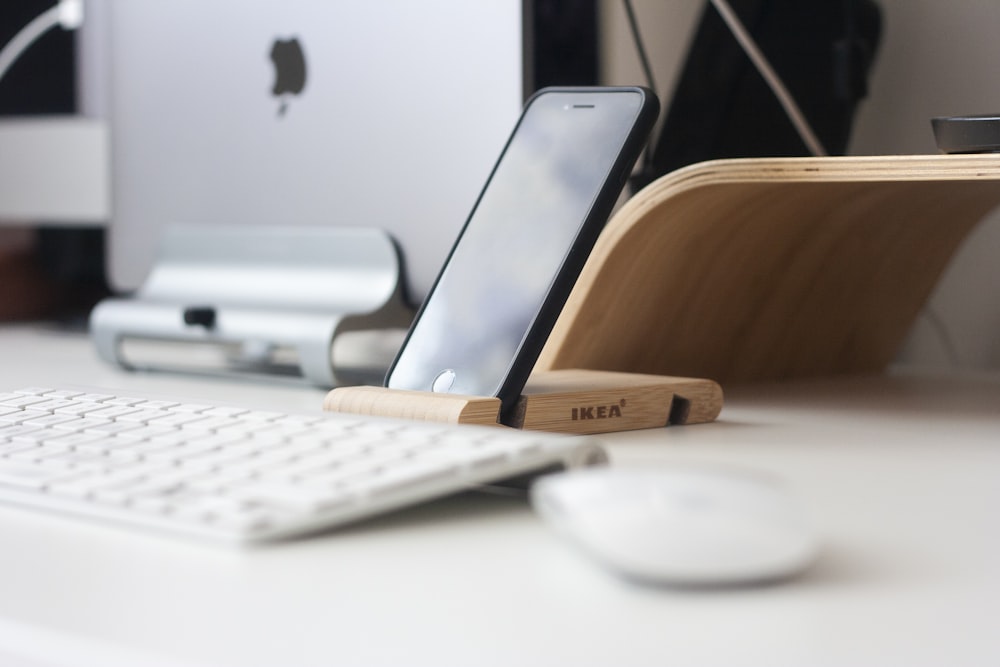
{"x":761,"y":269}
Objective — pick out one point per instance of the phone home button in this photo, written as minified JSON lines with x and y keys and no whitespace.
{"x":444,"y":381}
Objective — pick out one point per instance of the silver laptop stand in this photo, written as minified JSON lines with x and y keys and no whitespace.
{"x":270,"y":299}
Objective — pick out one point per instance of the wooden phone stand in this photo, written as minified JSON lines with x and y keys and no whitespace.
{"x":563,"y":401}
{"x":739,"y":271}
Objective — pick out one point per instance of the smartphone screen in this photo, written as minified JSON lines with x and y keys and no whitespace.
{"x":494,"y":303}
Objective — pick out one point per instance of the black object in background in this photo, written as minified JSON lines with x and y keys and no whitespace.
{"x":721,"y":107}
{"x":562,"y":38}
{"x":42,"y":82}
{"x":967,"y":134}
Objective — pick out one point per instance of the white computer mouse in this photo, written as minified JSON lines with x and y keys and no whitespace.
{"x":690,"y":526}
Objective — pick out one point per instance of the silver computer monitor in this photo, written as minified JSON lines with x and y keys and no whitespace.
{"x":403,"y":109}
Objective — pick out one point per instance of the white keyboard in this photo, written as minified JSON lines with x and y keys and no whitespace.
{"x":244,"y":475}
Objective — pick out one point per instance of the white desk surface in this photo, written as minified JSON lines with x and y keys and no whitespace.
{"x":902,"y":476}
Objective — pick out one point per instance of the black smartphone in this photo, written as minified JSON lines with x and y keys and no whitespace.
{"x":491,"y":309}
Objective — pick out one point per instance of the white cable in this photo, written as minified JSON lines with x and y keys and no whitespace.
{"x":750,"y":47}
{"x":68,"y":14}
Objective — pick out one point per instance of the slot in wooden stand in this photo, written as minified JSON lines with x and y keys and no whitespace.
{"x":739,"y":271}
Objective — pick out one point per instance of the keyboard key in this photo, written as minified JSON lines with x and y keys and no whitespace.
{"x":124,"y":401}
{"x":157,"y":405}
{"x":224,"y":412}
{"x":8,"y":448}
{"x":27,"y":476}
{"x":177,"y":419}
{"x":22,"y":400}
{"x":33,"y":391}
{"x":16,"y":416}
{"x":395,"y":480}
{"x":306,"y":498}
{"x":18,"y":432}
{"x":112,"y":411}
{"x":94,"y":398}
{"x":192,"y":407}
{"x":72,"y":459}
{"x":63,"y":393}
{"x":210,"y":423}
{"x":52,"y":405}
{"x":143,"y":416}
{"x":113,"y":428}
{"x":80,"y":408}
{"x":147,"y":432}
{"x":51,"y":420}
{"x":89,"y":443}
{"x":263,"y":415}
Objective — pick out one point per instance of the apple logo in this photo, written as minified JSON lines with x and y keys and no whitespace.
{"x":289,"y":70}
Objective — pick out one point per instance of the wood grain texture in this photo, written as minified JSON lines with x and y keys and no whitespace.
{"x":417,"y":405}
{"x":585,"y":402}
{"x":764,"y":269}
